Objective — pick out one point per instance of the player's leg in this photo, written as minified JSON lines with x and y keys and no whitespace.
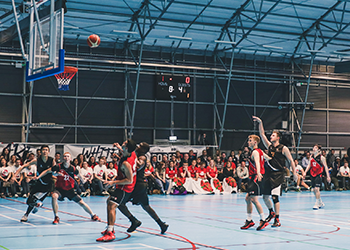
{"x":255,"y":201}
{"x":55,"y":195}
{"x":249,"y":221}
{"x":135,"y":223}
{"x":77,"y":199}
{"x":317,"y":182}
{"x":275,"y":193}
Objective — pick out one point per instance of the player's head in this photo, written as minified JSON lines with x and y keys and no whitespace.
{"x":45,"y":150}
{"x":128,"y":147}
{"x":275,"y":136}
{"x":67,"y":157}
{"x":316,"y":149}
{"x":253,"y":141}
{"x":142,"y":148}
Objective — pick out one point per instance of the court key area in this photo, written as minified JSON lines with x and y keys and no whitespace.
{"x":196,"y":222}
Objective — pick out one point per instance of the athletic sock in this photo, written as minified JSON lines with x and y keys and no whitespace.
{"x":249,"y":217}
{"x":110,"y":228}
{"x":262,"y":216}
{"x":277,"y":216}
{"x":271,"y":210}
{"x":318,"y":201}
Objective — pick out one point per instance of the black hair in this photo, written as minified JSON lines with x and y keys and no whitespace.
{"x":45,"y":146}
{"x":131,"y":145}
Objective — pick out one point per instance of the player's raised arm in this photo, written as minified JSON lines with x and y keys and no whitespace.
{"x":266,"y":142}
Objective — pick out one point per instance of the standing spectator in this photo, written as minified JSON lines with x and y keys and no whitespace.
{"x":92,"y":162}
{"x":344,"y":174}
{"x":100,"y":176}
{"x":330,"y":157}
{"x":58,"y":157}
{"x":202,"y":139}
{"x":178,"y":157}
{"x":6,"y":154}
{"x":306,"y":160}
{"x":191,"y":155}
{"x":154,"y":162}
{"x":161,"y":181}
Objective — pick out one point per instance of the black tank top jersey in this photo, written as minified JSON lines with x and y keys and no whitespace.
{"x":141,"y":174}
{"x":278,"y":159}
{"x":42,"y":166}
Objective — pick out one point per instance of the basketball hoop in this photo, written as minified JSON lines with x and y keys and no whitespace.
{"x":64,"y":78}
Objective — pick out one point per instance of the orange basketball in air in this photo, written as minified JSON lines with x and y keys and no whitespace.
{"x":93,"y":41}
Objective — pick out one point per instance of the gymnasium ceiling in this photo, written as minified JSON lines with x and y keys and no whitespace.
{"x":275,"y":28}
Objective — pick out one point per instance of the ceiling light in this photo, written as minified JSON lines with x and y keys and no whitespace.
{"x":125,"y":32}
{"x":272,"y":47}
{"x":179,"y":37}
{"x":227,"y":42}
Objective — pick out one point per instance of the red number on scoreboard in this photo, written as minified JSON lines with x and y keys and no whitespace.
{"x":187,"y":80}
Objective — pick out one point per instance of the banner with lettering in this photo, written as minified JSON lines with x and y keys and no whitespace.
{"x":159,"y":151}
{"x":91,"y":150}
{"x":17,"y":148}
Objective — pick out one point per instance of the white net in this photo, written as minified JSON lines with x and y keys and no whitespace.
{"x":64,"y":78}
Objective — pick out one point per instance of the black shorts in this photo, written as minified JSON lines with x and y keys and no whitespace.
{"x":38,"y":187}
{"x":316,"y":181}
{"x":272,"y":180}
{"x":139,"y":195}
{"x":254,"y":186}
{"x":119,"y":196}
{"x":70,"y":194}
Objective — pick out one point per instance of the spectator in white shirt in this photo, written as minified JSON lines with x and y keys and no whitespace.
{"x":12,"y":162}
{"x":86,"y":175}
{"x":300,"y":171}
{"x":100,"y":176}
{"x":111,"y":172}
{"x":5,"y":179}
{"x":242,"y":174}
{"x":344,"y":174}
{"x":18,"y":180}
{"x":29,"y":173}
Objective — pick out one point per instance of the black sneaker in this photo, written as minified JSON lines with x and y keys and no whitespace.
{"x":270,"y":217}
{"x":276,"y":223}
{"x":164,"y":227}
{"x":247,"y":224}
{"x":263,"y":224}
{"x":135,"y":224}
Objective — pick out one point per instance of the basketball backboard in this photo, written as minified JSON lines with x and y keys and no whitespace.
{"x":45,"y":54}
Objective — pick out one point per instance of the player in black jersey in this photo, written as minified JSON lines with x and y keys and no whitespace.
{"x":274,"y":171}
{"x":139,"y":195}
{"x":44,"y":183}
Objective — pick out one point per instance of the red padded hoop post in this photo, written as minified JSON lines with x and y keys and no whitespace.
{"x":64,"y":78}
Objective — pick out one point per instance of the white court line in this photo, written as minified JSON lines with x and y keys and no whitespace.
{"x":126,"y":246}
{"x":14,"y":209}
{"x":150,"y":246}
{"x":10,"y":218}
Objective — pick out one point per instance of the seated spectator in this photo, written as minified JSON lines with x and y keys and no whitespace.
{"x":300,"y":171}
{"x":165,"y":160}
{"x":330,"y":158}
{"x":173,"y":159}
{"x":161,"y":181}
{"x":149,"y":174}
{"x":243,"y":175}
{"x":178,"y":157}
{"x":219,"y":164}
{"x":12,"y":162}
{"x":115,"y":159}
{"x":18,"y":180}
{"x":81,"y":159}
{"x":75,"y":163}
{"x":217,"y":153}
{"x":204,"y":157}
{"x":6,"y":154}
{"x":111,"y":172}
{"x":202,"y":186}
{"x":186,"y":159}
{"x":5,"y":178}
{"x":171,"y":171}
{"x":38,"y":153}
{"x":233,"y":156}
{"x":58,"y":157}
{"x":192,"y":170}
{"x":334,"y":170}
{"x":191,"y":155}
{"x":198,"y":162}
{"x":229,"y":183}
{"x":30,"y":172}
{"x":306,"y":160}
{"x":92,"y":162}
{"x":25,"y":156}
{"x":100,"y":176}
{"x":223,"y":157}
{"x":344,"y":174}
{"x":212,"y":175}
{"x":86,"y":175}
{"x":154,"y":162}
{"x":245,"y":155}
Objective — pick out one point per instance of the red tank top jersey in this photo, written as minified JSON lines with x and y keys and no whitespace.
{"x":171,"y":172}
{"x":252,"y":167}
{"x":316,"y":168}
{"x":193,"y":171}
{"x":128,"y":187}
{"x":212,"y":171}
{"x":64,"y":180}
{"x":201,"y":172}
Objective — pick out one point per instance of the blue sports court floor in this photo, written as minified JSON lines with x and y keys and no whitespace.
{"x":196,"y":222}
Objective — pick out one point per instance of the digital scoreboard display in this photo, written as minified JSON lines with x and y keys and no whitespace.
{"x":173,"y":87}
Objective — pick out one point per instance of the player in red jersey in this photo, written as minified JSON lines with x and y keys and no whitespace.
{"x":125,"y":184}
{"x":64,"y":187}
{"x":256,"y":172}
{"x":316,"y":166}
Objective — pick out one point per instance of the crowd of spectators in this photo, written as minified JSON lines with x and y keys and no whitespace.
{"x":161,"y":175}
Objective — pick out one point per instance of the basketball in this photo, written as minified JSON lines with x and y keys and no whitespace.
{"x":93,"y":41}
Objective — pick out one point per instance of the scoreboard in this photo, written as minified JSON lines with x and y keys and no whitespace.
{"x":173,"y":87}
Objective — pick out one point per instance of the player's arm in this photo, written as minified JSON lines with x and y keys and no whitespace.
{"x":324,"y":162}
{"x":20,"y":178}
{"x":43,"y":173}
{"x":307,"y":169}
{"x":287,"y":154}
{"x":266,"y":157}
{"x":255,"y":158}
{"x":266,"y":142}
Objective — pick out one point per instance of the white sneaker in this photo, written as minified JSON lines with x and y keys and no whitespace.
{"x":24,"y":196}
{"x":316,"y":206}
{"x":105,"y":193}
{"x":83,"y":194}
{"x":24,"y":218}
{"x":321,"y":205}
{"x":16,"y":195}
